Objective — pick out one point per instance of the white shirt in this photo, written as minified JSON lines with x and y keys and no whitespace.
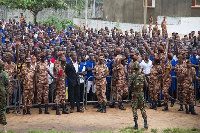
{"x":146,"y":66}
{"x":175,"y":58}
{"x":81,"y":76}
{"x":75,"y":64}
{"x":50,"y":66}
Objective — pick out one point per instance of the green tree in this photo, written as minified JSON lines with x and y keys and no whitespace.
{"x":34,"y":6}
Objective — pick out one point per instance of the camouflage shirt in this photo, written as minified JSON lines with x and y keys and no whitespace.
{"x":137,"y":81}
{"x":28,"y":75}
{"x":100,"y":70}
{"x":10,"y":69}
{"x":42,"y":72}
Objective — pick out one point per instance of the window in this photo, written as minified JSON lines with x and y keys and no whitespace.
{"x":195,"y":4}
{"x":150,"y":3}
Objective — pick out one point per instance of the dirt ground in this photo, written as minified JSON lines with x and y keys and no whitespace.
{"x":91,"y":120}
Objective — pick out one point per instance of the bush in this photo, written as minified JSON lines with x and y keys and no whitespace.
{"x":57,"y":21}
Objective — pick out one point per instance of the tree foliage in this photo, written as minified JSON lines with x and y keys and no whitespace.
{"x":34,"y":6}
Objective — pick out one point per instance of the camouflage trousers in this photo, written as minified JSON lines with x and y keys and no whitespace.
{"x":121,"y":90}
{"x":11,"y":93}
{"x":188,"y":93}
{"x":43,"y":91}
{"x":165,"y":93}
{"x":101,"y":93}
{"x":180,"y":91}
{"x":60,"y":92}
{"x":154,"y":89}
{"x":138,"y":103}
{"x":2,"y":108}
{"x":28,"y":96}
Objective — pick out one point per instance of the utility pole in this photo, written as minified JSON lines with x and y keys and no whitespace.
{"x":76,"y":9}
{"x":93,"y":13}
{"x":145,"y":13}
{"x":86,"y":11}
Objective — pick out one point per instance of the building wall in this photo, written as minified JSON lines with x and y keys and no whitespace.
{"x":44,"y":14}
{"x":174,"y":24}
{"x":132,"y":11}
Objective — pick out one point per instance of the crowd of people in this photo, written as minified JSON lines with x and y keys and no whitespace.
{"x":55,"y":64}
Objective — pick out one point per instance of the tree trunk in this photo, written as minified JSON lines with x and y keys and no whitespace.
{"x":35,"y":17}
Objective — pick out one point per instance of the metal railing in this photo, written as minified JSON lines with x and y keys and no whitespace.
{"x":18,"y":94}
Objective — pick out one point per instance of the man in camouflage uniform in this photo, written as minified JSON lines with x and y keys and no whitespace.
{"x":167,"y":81}
{"x":42,"y":72}
{"x":137,"y":80}
{"x":100,"y":73}
{"x":114,"y":75}
{"x":11,"y":69}
{"x":188,"y":88}
{"x":4,"y":89}
{"x":60,"y":90}
{"x":121,"y":84}
{"x":180,"y":75}
{"x":134,"y":59}
{"x":154,"y":82}
{"x":155,"y":75}
{"x":28,"y":76}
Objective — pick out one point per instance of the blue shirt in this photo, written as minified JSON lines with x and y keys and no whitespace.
{"x":68,"y":59}
{"x":195,"y":61}
{"x":90,"y":64}
{"x":129,"y":60}
{"x":108,"y":79}
{"x":82,"y":64}
{"x":173,"y":63}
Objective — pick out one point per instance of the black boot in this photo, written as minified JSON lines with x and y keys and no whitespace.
{"x":121,"y":106}
{"x":155,"y":106}
{"x":28,"y":111}
{"x":152,"y":105}
{"x":46,"y":109}
{"x":159,"y":104}
{"x":181,"y":107}
{"x":103,"y":108}
{"x":54,"y":107}
{"x":193,"y":112}
{"x":166,"y":107}
{"x":186,"y":109}
{"x":96,"y":105}
{"x":64,"y":111}
{"x":40,"y":109}
{"x":145,"y":124}
{"x":172,"y":102}
{"x":57,"y":111}
{"x":7,"y":111}
{"x":112,"y":105}
{"x":24,"y":111}
{"x":136,"y":125}
{"x":100,"y":108}
{"x":190,"y":108}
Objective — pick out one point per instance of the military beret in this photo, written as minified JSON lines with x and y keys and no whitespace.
{"x":118,"y":50}
{"x":63,"y":59}
{"x":9,"y":55}
{"x":57,"y":47}
{"x":28,"y":60}
{"x":160,"y":48}
{"x":135,"y":57}
{"x":59,"y":53}
{"x":132,"y":54}
{"x":42,"y":54}
{"x":101,"y":57}
{"x":170,"y":54}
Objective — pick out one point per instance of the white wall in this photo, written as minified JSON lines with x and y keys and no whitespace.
{"x":182,"y":25}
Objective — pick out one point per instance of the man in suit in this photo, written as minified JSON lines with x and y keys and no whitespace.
{"x":71,"y":71}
